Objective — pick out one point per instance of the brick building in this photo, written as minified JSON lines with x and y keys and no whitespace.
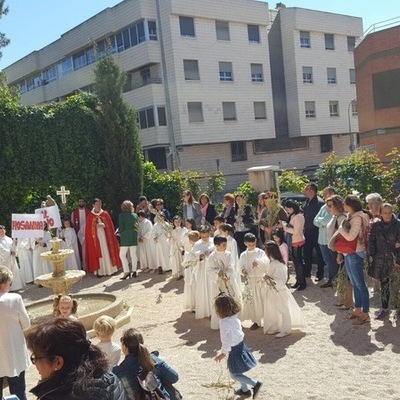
{"x":377,"y":63}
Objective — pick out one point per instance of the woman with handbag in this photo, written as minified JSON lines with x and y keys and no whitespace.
{"x":295,"y":227}
{"x":352,"y":231}
{"x":384,"y":248}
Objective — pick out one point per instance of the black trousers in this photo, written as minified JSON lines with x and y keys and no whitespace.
{"x":311,"y":236}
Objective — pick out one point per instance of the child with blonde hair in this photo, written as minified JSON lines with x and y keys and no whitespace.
{"x":104,"y":327}
{"x":65,"y":307}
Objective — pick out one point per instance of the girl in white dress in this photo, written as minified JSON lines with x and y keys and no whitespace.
{"x":146,"y":243}
{"x":41,"y":245}
{"x":70,"y":241}
{"x":281,"y":313}
{"x":161,"y":232}
{"x":252,"y":264}
{"x":178,"y":236}
{"x":24,"y":249}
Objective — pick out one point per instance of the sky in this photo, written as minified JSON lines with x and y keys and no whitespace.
{"x":33,"y":24}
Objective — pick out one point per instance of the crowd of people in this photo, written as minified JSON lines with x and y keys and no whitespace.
{"x":235,"y":268}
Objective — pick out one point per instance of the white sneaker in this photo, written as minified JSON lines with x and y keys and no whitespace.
{"x":282,"y":334}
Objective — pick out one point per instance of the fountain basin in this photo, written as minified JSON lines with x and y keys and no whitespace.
{"x":60,"y":284}
{"x":90,"y":307}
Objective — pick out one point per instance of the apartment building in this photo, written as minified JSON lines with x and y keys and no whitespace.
{"x":199,"y":74}
{"x":377,"y":61}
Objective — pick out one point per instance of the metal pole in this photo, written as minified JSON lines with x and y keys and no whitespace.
{"x":352,"y":145}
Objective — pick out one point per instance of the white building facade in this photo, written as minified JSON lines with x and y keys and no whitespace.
{"x":199,"y":75}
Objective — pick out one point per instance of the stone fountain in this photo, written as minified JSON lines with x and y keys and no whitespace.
{"x":90,"y":305}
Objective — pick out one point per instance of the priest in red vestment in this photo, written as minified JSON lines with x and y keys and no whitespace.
{"x":102,"y":250}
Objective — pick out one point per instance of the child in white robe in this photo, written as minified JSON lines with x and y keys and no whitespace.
{"x":281,"y":312}
{"x":145,"y":243}
{"x":178,"y":236}
{"x":161,"y":233}
{"x":227,"y":231}
{"x":221,"y":276}
{"x":40,"y":265}
{"x":200,"y":253}
{"x":24,"y":247}
{"x":253,"y":267}
{"x":189,"y":271}
{"x":70,"y":241}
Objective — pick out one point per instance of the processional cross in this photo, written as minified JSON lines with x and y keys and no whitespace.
{"x":63,"y":193}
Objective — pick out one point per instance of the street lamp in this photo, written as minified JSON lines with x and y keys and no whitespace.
{"x":352,"y":145}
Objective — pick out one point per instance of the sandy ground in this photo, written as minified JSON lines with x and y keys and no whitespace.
{"x":329,"y":359}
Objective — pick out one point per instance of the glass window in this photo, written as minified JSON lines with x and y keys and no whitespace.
{"x":352,"y":73}
{"x":229,"y":111}
{"x":351,"y":43}
{"x":90,"y":56}
{"x":67,"y":66}
{"x":334,"y":108}
{"x":305,"y":39}
{"x":326,"y":143}
{"x":239,"y":151}
{"x":152,"y":30}
{"x":79,"y":60}
{"x":253,"y":32}
{"x":140,"y":32}
{"x":195,"y":111}
{"x":260,"y":111}
{"x":310,"y":109}
{"x":307,"y":75}
{"x":256,"y":73}
{"x":222,"y":30}
{"x":119,"y":42}
{"x":329,"y":42}
{"x":134,"y":37}
{"x":186,"y":25}
{"x":191,"y":69}
{"x":146,"y":118}
{"x":162,"y":117}
{"x":354,"y":111}
{"x":127,"y":38}
{"x":331,"y":75}
{"x":225,"y":71}
{"x":158,"y":157}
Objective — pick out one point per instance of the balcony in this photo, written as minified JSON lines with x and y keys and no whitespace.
{"x":136,"y":84}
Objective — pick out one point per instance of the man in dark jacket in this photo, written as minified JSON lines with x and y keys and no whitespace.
{"x":311,"y":208}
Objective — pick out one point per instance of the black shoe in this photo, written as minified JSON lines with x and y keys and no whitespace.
{"x":134,"y":274}
{"x":325,"y":285}
{"x":256,"y":389}
{"x":295,"y":286}
{"x":126,"y":275}
{"x":302,"y":287}
{"x":160,"y":271}
{"x":254,"y":326}
{"x":240,"y":392}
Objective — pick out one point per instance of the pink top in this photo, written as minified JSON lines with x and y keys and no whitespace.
{"x":283,"y":247}
{"x":297,"y":221}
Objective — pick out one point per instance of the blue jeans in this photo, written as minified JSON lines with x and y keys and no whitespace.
{"x":16,"y":385}
{"x":355,"y":269}
{"x":244,"y":381}
{"x":330,"y":260}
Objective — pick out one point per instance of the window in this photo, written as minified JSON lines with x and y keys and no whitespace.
{"x":354,"y":111}
{"x":254,"y":33}
{"x":152,"y":30}
{"x":331,"y":75}
{"x":187,"y":26}
{"x":238,"y":151}
{"x":146,"y":118}
{"x":307,"y":75}
{"x":352,"y":73}
{"x":257,"y":73}
{"x":140,"y":32}
{"x":225,"y":71}
{"x":310,"y":109}
{"x":127,"y":38}
{"x":260,"y":111}
{"x":351,"y":43}
{"x":145,"y":75}
{"x":162,"y":117}
{"x":79,"y":60}
{"x":120,"y":42}
{"x":229,"y":111}
{"x":329,"y":42}
{"x":66,"y":66}
{"x":305,"y":41}
{"x":334,"y":108}
{"x":222,"y":30}
{"x":191,"y":69}
{"x":326,"y":143}
{"x":158,"y":157}
{"x":195,"y":111}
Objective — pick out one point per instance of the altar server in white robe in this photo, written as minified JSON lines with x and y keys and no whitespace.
{"x":161,"y":233}
{"x":7,"y":259}
{"x":24,"y":248}
{"x":70,"y":241}
{"x":41,"y":245}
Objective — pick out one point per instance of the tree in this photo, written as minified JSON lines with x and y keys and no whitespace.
{"x":119,"y":131}
{"x":3,"y":40}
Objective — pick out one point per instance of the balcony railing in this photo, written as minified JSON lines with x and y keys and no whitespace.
{"x":136,"y":84}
